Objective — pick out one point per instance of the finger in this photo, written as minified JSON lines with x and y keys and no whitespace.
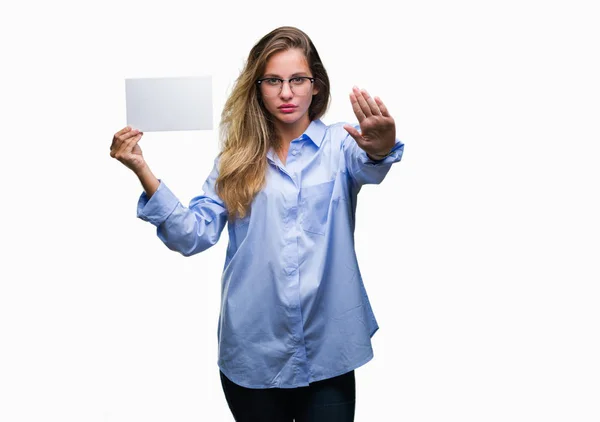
{"x":384,"y":110}
{"x":124,"y":150}
{"x":131,"y":142}
{"x":362,"y":102}
{"x":129,"y":134}
{"x":121,"y":132}
{"x":354,"y":133}
{"x":356,"y":108}
{"x":126,"y":146}
{"x":123,"y":135}
{"x":124,"y":130}
{"x":371,"y":103}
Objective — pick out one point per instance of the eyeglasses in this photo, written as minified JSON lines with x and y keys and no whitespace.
{"x":271,"y":87}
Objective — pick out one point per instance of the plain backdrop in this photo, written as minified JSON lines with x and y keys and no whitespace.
{"x":479,"y":251}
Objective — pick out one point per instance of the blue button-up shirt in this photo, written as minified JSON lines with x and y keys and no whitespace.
{"x":294,"y":309}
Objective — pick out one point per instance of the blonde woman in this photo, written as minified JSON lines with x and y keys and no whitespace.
{"x":295,"y":319}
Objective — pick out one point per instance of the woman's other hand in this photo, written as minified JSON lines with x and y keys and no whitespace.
{"x":125,"y":148}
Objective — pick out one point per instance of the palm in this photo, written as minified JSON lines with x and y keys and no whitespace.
{"x":374,"y":128}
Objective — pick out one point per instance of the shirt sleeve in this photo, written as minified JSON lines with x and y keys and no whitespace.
{"x":361,"y":168}
{"x":187,"y":230}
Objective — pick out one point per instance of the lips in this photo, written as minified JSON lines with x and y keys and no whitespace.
{"x":287,"y":108}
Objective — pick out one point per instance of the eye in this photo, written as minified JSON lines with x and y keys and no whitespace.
{"x":298,"y":80}
{"x":272,"y":81}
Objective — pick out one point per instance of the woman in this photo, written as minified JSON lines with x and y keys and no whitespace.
{"x":295,"y":319}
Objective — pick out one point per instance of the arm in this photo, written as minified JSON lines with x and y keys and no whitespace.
{"x":364,"y":169}
{"x":148,"y":180}
{"x":187,"y":230}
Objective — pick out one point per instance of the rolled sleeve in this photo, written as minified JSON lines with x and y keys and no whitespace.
{"x":363,"y":169}
{"x":394,"y":156}
{"x":187,"y":230}
{"x":159,"y":207}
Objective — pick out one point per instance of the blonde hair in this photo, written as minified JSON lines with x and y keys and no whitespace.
{"x":247,"y":131}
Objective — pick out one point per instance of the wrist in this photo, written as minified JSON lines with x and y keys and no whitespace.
{"x":142,"y":171}
{"x":149,"y":182}
{"x":378,"y":156}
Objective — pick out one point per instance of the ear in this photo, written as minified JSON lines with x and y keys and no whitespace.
{"x":315,"y":89}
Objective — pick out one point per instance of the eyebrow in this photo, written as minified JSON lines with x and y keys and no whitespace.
{"x":274,"y":75}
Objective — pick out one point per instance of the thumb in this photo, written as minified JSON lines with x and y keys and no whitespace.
{"x":353,"y":132}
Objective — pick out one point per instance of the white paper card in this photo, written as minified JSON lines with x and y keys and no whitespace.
{"x":169,"y":104}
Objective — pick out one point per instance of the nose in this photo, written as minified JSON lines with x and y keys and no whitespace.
{"x":286,"y":90}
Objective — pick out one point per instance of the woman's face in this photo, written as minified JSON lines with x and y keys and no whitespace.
{"x":290,"y":105}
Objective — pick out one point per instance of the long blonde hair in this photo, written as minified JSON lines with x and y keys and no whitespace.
{"x":247,"y":130}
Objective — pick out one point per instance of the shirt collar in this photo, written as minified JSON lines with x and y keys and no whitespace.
{"x":315,"y":132}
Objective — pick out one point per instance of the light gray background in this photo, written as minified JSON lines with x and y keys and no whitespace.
{"x":479,"y":250}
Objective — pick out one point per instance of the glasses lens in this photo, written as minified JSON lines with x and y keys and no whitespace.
{"x":270,"y":87}
{"x":300,"y":86}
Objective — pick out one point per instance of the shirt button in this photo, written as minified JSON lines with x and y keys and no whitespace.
{"x":294,"y":152}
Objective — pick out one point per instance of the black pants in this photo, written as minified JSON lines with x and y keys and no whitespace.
{"x":330,"y":400}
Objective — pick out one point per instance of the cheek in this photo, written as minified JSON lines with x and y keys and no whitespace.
{"x":309,"y":101}
{"x":269,"y":104}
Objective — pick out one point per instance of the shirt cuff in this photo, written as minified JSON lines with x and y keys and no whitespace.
{"x":159,"y":207}
{"x":394,"y":156}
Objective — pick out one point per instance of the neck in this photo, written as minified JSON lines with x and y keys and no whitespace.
{"x":288,"y":132}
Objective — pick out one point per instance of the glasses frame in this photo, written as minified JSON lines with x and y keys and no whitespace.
{"x":260,"y":81}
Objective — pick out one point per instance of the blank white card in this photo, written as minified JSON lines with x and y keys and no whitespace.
{"x":169,"y":104}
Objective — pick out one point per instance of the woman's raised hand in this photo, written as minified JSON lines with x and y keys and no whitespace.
{"x":377,"y":133}
{"x":125,"y":148}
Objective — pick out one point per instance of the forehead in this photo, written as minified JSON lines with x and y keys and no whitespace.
{"x":287,"y":62}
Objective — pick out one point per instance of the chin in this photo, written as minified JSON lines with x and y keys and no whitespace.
{"x":292,"y":117}
{"x":289,"y":118}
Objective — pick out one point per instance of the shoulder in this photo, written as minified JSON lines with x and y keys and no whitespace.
{"x":335,"y":127}
{"x":335,"y":132}
{"x":337,"y":135}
